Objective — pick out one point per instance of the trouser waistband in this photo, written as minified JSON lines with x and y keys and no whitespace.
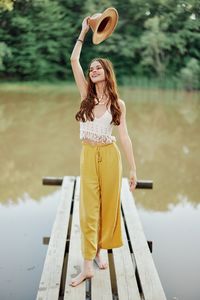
{"x":97,"y":144}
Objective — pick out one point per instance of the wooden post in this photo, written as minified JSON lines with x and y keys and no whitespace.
{"x":141,"y":184}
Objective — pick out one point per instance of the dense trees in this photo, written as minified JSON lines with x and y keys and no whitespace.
{"x":155,"y":39}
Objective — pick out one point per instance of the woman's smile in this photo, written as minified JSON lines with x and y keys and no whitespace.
{"x":96,"y":75}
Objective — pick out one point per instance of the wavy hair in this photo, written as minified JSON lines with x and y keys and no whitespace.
{"x":85,"y":112}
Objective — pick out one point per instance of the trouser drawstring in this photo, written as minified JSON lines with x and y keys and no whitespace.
{"x":99,"y":155}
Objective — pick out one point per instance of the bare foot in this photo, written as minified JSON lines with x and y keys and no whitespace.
{"x":80,"y":278}
{"x":100,"y":263}
{"x":87,"y":272}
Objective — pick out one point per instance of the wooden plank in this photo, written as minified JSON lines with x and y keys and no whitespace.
{"x":150,"y":281}
{"x":141,"y":184}
{"x":75,"y":259}
{"x":51,"y":275}
{"x":101,"y":285}
{"x":125,"y":271}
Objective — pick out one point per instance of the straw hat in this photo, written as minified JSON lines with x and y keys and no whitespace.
{"x":103,"y":24}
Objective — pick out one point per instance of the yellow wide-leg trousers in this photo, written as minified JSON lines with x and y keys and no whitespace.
{"x":99,"y":207}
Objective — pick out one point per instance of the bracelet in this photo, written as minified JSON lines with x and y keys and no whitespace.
{"x":80,"y":40}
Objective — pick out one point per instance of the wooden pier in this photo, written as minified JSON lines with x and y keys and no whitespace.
{"x":131,"y":274}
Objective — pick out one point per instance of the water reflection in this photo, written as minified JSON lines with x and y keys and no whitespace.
{"x":40,"y":137}
{"x":176,"y":247}
{"x":165,"y":135}
{"x":22,"y":229}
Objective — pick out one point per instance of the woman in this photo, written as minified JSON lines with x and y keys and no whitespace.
{"x":100,"y":161}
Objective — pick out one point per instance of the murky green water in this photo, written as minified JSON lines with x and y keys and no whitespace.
{"x":40,"y":137}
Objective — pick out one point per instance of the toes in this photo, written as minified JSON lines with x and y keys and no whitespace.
{"x":77,"y":281}
{"x":80,"y":278}
{"x":100,"y":264}
{"x":105,"y":266}
{"x":73,"y":283}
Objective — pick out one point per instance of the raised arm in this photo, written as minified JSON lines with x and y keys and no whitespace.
{"x":76,"y":66}
{"x":127,"y":146}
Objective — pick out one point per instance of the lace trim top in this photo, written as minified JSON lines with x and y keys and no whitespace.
{"x":99,"y":130}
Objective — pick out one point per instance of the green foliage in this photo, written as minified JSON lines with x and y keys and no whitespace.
{"x":154,"y":45}
{"x":6,"y":5}
{"x":190,"y":75}
{"x":157,"y":39}
{"x":4,"y":51}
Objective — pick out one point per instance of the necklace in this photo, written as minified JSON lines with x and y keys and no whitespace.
{"x":101,"y":102}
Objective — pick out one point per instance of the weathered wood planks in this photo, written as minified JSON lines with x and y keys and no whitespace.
{"x":125,"y":271}
{"x":51,"y":276}
{"x":74,"y":257}
{"x":148,"y":275}
{"x":119,"y":280}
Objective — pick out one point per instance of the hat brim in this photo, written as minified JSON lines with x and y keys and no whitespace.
{"x":105,"y":26}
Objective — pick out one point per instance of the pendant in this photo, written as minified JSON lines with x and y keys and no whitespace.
{"x":99,"y":101}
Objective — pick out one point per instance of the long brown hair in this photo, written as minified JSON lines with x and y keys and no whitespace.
{"x":87,"y":104}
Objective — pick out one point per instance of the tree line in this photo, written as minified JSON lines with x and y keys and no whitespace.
{"x":156,"y":39}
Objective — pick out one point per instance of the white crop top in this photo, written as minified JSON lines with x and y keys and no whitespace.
{"x":99,"y":130}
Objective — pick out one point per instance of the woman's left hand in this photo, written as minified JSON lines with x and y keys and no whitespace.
{"x":132,"y":180}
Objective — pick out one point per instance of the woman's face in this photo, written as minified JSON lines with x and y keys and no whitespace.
{"x":96,"y":72}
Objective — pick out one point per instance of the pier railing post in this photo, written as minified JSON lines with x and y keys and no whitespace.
{"x":141,"y":184}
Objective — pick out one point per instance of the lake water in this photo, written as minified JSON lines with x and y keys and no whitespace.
{"x":40,"y":137}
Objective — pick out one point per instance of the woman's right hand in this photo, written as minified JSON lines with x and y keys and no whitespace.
{"x":85,"y":25}
{"x":132,"y":180}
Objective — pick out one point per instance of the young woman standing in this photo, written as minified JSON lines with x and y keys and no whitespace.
{"x":100,"y":160}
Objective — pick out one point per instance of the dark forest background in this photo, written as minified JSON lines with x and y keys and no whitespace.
{"x":154,"y":40}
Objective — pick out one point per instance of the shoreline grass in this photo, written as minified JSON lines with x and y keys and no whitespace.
{"x":134,"y":82}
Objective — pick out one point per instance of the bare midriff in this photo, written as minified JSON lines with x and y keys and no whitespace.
{"x":91,"y":142}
